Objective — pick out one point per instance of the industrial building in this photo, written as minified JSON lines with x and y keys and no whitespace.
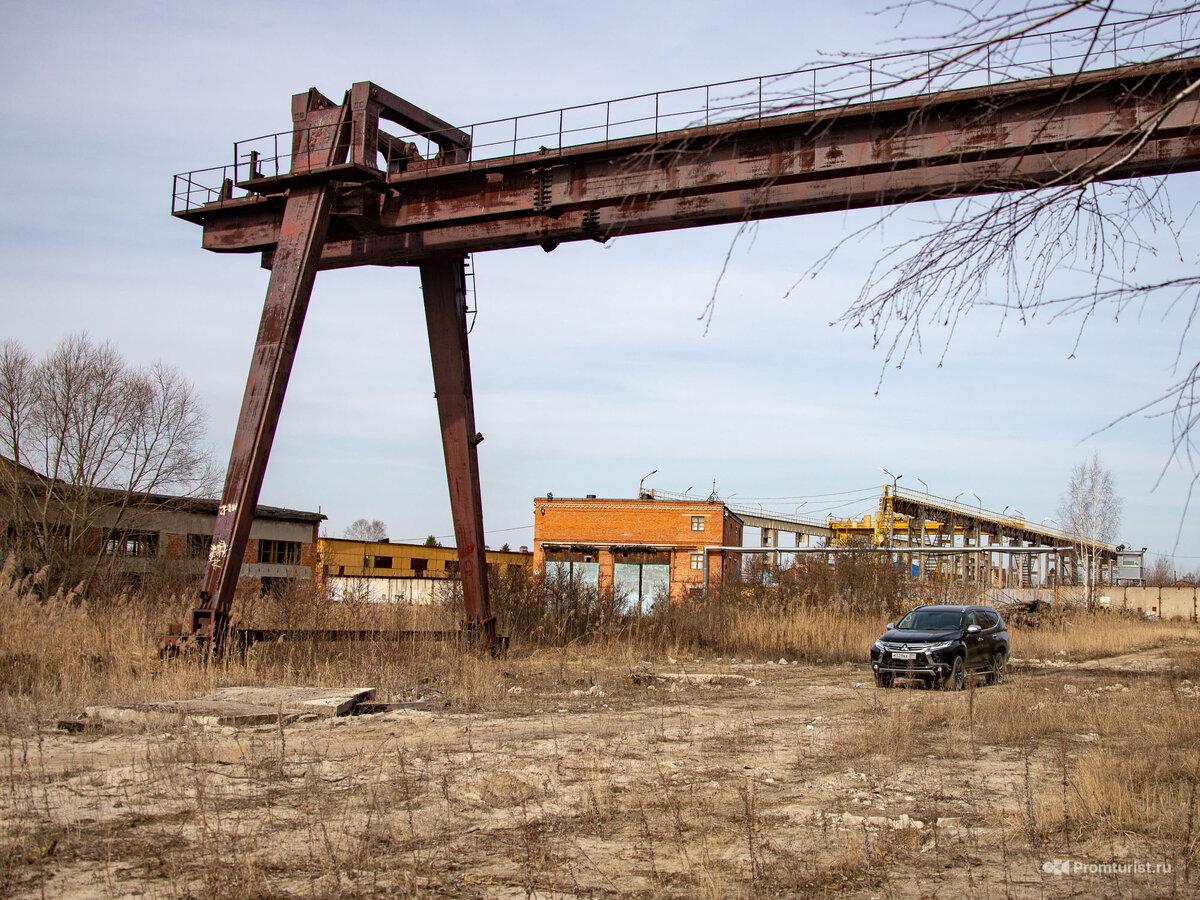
{"x":985,"y":547}
{"x":380,"y":571}
{"x":637,"y":551}
{"x":132,"y":537}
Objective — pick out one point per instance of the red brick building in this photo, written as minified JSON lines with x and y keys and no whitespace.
{"x":640,"y":550}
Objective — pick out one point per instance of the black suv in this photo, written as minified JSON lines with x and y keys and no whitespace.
{"x":943,"y":645}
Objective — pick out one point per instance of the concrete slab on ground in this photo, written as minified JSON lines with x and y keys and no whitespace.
{"x":242,"y":706}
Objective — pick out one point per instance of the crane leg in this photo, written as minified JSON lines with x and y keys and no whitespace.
{"x":305,"y":222}
{"x":443,"y":283}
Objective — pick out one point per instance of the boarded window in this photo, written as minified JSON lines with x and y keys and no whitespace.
{"x":642,"y":556}
{"x":572,"y":554}
{"x":286,"y":553}
{"x":697,"y":523}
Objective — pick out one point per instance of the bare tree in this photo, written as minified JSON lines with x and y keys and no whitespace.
{"x":362,"y":530}
{"x":1090,"y":511}
{"x":1160,"y":572}
{"x":86,"y":438}
{"x":1073,"y":249}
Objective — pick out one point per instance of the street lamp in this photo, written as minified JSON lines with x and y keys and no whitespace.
{"x":959,"y":494}
{"x":976,"y":496}
{"x":922,"y":480}
{"x":644,"y":477}
{"x":685,"y":493}
{"x":894,"y":478}
{"x":891,"y":508}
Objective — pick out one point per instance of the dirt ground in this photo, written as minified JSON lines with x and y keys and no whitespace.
{"x":598,"y":780}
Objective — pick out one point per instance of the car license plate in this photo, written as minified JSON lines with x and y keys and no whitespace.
{"x":903,"y":654}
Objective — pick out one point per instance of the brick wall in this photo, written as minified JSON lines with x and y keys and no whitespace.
{"x":606,"y":523}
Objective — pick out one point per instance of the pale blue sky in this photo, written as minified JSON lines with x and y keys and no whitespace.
{"x":591,"y":365}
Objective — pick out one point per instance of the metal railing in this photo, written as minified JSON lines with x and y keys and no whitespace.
{"x":832,"y":85}
{"x":970,"y":511}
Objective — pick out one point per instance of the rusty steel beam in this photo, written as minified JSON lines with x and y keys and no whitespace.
{"x":443,"y":283}
{"x":288,"y":292}
{"x":370,"y":103}
{"x":983,"y":140}
{"x":768,"y":201}
{"x":320,"y":136}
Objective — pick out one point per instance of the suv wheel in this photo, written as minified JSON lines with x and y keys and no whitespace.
{"x":884,"y":679}
{"x":999,"y":664}
{"x":957,"y":679}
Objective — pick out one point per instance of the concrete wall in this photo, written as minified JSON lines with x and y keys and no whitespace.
{"x":390,"y":590}
{"x":1163,"y":603}
{"x":1166,"y":602}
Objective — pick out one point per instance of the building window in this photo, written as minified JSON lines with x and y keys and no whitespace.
{"x":419,"y":565}
{"x":132,"y":543}
{"x":697,"y":523}
{"x":452,"y":568}
{"x":697,"y":560}
{"x":198,"y":546}
{"x":285,"y":553}
{"x":383,"y":562}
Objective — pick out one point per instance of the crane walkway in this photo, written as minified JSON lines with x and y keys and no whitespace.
{"x":696,"y":109}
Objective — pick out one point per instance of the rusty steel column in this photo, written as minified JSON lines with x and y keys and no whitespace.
{"x":443,"y":283}
{"x":305,"y":222}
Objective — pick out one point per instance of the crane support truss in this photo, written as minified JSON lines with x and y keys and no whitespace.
{"x":337,"y":206}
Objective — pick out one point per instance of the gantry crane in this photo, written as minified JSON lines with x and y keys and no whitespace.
{"x":341,"y":191}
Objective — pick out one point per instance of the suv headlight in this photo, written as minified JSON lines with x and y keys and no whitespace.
{"x":878,"y":645}
{"x":937,"y":648}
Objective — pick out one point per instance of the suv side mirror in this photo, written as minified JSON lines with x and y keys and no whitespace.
{"x":973,"y":629}
{"x":891,"y":625}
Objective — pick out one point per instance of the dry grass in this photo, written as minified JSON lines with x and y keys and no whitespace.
{"x":551,"y":772}
{"x":1078,"y":635}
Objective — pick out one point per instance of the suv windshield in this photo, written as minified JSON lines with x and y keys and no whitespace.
{"x":931,"y":620}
